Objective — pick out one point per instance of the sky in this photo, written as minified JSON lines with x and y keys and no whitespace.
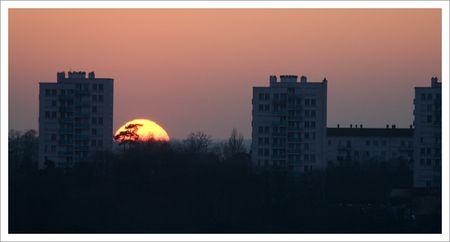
{"x":194,"y":69}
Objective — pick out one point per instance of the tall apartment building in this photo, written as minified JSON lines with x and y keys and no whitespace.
{"x":427,"y":135}
{"x":289,"y":124}
{"x":75,"y":118}
{"x":370,"y":144}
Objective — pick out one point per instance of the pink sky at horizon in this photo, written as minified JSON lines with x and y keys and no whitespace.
{"x":194,"y":69}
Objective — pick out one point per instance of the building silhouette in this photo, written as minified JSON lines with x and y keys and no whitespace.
{"x":289,"y":124}
{"x":369,"y":144}
{"x":427,"y":135}
{"x":289,"y":132}
{"x":75,"y":118}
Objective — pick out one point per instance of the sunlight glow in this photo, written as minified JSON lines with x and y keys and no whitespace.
{"x":147,"y":130}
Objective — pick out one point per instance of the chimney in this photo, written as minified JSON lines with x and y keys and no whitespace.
{"x":60,"y":76}
{"x":272,"y":80}
{"x":434,"y":81}
{"x":410,"y":126}
{"x":360,"y":126}
{"x":387,"y":126}
{"x":393,"y":126}
{"x":303,"y":79}
{"x":91,"y":75}
{"x":338,"y":125}
{"x":351,"y":125}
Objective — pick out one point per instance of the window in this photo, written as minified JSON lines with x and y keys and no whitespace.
{"x":53,"y":92}
{"x":100,"y":143}
{"x":260,"y":129}
{"x":261,"y":96}
{"x":313,"y":102}
{"x":94,"y":87}
{"x":100,"y":120}
{"x":260,"y":107}
{"x":266,"y":141}
{"x":267,"y":96}
{"x":47,"y":115}
{"x":266,"y":129}
{"x":100,"y":87}
{"x":53,"y":103}
{"x":93,"y":142}
{"x":306,"y":124}
{"x":94,"y":98}
{"x":306,"y":102}
{"x":313,"y":113}
{"x":94,"y":120}
{"x":47,"y":92}
{"x":100,"y":98}
{"x":94,"y":131}
{"x":53,"y":137}
{"x":429,"y":118}
{"x":94,"y":109}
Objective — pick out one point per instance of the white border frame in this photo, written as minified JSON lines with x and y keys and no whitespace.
{"x":5,"y":6}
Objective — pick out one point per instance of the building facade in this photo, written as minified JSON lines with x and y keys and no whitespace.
{"x":370,"y":144}
{"x":75,"y":118}
{"x":289,"y":124}
{"x":427,"y":135}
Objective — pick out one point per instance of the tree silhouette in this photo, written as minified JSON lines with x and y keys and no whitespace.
{"x":234,"y":146}
{"x":197,"y":142}
{"x":23,"y":149}
{"x":129,"y":135}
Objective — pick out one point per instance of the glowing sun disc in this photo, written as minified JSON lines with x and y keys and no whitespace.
{"x":146,"y":129}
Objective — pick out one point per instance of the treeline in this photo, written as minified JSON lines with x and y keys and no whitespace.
{"x":194,"y":186}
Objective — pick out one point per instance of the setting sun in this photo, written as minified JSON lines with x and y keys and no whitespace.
{"x":143,"y":130}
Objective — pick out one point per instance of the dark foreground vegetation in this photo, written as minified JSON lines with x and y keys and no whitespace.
{"x":156,"y":187}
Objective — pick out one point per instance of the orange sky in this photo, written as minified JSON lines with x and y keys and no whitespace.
{"x":190,"y":69}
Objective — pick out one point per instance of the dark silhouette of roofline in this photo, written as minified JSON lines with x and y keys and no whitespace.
{"x":370,"y":132}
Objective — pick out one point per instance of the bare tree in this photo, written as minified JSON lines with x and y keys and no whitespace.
{"x":197,"y":142}
{"x":23,"y":149}
{"x":234,"y":145}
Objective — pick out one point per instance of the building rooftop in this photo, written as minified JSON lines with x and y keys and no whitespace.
{"x":370,"y":132}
